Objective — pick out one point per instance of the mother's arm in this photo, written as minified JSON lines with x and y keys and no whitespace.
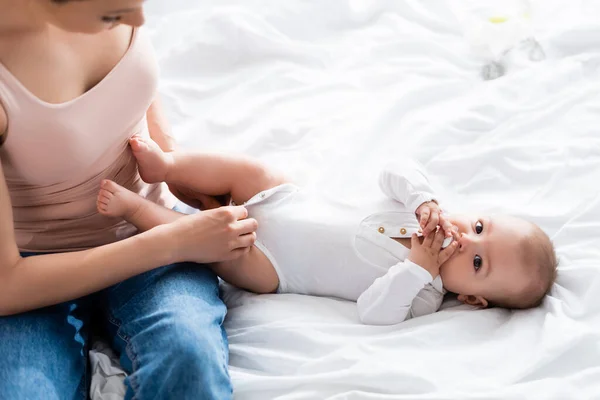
{"x":33,"y":282}
{"x":158,"y":126}
{"x":39,"y":281}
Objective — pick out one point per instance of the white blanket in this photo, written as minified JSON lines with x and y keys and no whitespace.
{"x":321,"y":87}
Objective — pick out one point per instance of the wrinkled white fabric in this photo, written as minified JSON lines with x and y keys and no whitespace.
{"x":335,"y":88}
{"x":107,"y":374}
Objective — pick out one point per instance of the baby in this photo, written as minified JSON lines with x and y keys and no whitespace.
{"x":391,"y":254}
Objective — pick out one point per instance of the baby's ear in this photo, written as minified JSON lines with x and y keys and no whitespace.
{"x":477,"y":301}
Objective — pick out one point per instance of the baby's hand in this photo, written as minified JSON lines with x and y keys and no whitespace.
{"x":429,"y":255}
{"x":430,"y":216}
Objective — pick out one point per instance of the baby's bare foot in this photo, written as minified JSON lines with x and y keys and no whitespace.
{"x":116,"y":201}
{"x":153,"y":163}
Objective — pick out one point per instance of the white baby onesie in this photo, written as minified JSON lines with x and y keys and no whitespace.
{"x":324,"y":247}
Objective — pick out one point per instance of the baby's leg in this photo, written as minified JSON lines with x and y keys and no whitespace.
{"x":211,"y":174}
{"x":253,"y":271}
{"x":116,"y":201}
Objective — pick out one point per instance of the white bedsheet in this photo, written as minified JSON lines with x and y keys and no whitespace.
{"x":320,"y":87}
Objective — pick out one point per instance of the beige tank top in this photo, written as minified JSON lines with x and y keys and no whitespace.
{"x":54,"y":156}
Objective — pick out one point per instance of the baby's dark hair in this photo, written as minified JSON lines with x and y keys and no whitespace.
{"x":539,"y":257}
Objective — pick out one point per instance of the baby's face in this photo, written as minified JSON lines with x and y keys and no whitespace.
{"x":488,"y":262}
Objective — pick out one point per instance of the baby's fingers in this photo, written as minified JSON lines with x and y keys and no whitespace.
{"x":414,"y":241}
{"x":446,"y":225}
{"x":428,"y":239}
{"x":446,"y":253}
{"x":432,"y":224}
{"x":438,"y":239}
{"x":425,"y":212}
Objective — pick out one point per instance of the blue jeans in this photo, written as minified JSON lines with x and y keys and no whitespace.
{"x":166,"y":324}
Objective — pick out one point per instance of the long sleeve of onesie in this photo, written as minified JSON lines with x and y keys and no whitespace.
{"x":405,"y":291}
{"x":406,"y":183}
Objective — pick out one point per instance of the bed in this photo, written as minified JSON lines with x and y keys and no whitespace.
{"x":318,"y":87}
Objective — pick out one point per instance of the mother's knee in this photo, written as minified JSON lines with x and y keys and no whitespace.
{"x":197,"y":345}
{"x":188,"y":359}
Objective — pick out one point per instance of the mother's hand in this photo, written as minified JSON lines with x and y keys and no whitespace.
{"x":215,"y":235}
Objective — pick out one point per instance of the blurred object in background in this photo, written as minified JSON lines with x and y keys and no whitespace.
{"x":500,"y":32}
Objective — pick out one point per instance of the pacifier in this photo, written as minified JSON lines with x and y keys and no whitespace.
{"x":447,"y":242}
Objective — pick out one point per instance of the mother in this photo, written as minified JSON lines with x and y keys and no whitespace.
{"x":77,"y":79}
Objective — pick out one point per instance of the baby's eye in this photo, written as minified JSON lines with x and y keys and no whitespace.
{"x":478,"y":227}
{"x":477,"y":261}
{"x":111,"y":20}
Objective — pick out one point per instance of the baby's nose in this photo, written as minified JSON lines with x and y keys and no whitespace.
{"x":464,"y":241}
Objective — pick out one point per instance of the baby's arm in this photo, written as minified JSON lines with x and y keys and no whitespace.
{"x":407,"y":183}
{"x":206,"y":173}
{"x":390,"y":298}
{"x":405,"y":290}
